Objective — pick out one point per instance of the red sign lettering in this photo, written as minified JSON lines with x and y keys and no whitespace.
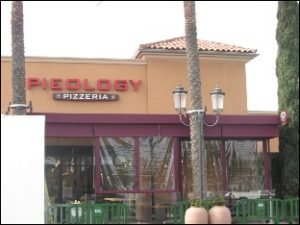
{"x":55,"y":84}
{"x":33,"y":82}
{"x":121,"y":85}
{"x":103,"y":85}
{"x":44,"y":83}
{"x":135,"y":84}
{"x":86,"y":86}
{"x":74,"y":84}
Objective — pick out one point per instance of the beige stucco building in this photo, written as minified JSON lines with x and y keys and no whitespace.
{"x":112,"y":131}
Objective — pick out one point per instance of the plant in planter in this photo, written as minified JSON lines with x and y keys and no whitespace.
{"x":219,"y":213}
{"x":197,"y":213}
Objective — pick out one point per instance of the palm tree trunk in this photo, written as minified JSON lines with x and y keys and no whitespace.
{"x":18,"y":59}
{"x":197,"y":149}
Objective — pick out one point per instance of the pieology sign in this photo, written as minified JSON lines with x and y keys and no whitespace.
{"x":75,"y":85}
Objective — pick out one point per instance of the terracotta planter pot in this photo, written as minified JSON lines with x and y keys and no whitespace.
{"x":219,"y":215}
{"x":194,"y":215}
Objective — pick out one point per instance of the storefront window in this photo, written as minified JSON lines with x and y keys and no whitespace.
{"x":138,"y":171}
{"x":69,"y":173}
{"x":186,"y":169}
{"x":156,"y":163}
{"x":118,"y":167}
{"x":213,"y":167}
{"x":245,"y":165}
{"x":117,"y":163}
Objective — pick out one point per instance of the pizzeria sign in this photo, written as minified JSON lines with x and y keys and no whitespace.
{"x":73,"y":85}
{"x":85,"y":97}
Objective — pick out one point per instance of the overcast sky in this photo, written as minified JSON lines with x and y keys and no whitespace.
{"x":116,"y":29}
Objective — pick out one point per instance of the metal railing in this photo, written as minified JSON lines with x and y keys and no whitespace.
{"x":106,"y":213}
{"x":244,"y":211}
{"x":252,"y":210}
{"x":178,"y":211}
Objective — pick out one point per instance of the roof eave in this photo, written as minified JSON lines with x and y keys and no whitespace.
{"x":243,"y":56}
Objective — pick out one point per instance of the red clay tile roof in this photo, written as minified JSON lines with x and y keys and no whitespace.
{"x":179,"y":44}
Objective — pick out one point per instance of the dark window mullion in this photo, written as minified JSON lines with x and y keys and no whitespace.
{"x":224,"y":167}
{"x":137,"y":163}
{"x":97,"y":167}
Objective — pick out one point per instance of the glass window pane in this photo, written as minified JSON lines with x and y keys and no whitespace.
{"x":186,"y":168}
{"x":117,"y":165}
{"x":244,"y":165}
{"x":69,"y":172}
{"x":156,"y":163}
{"x":213,"y":166}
